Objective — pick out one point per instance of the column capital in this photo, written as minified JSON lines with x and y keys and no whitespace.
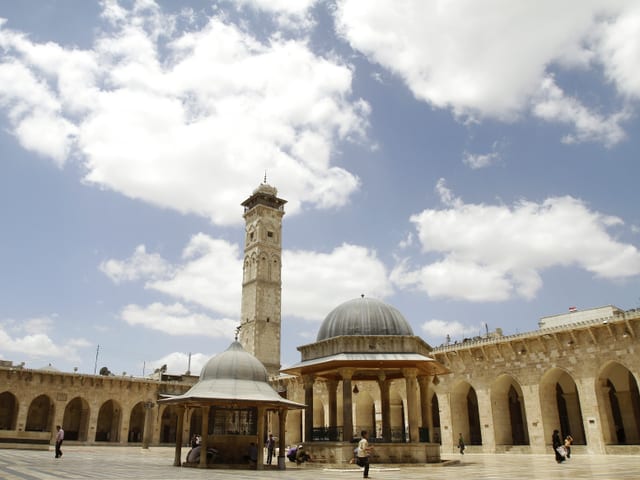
{"x":410,"y":372}
{"x":346,"y":373}
{"x":308,"y":380}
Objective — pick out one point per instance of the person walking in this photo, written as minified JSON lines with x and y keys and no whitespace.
{"x":461,"y":445}
{"x":568,"y":441}
{"x":558,"y":447}
{"x":363,"y":453}
{"x":271,"y":446}
{"x":59,"y":439}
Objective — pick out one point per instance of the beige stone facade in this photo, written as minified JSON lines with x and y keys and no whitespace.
{"x":510,"y":393}
{"x":92,"y":409}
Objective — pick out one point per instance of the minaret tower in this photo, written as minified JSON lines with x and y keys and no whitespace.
{"x":261,"y":277}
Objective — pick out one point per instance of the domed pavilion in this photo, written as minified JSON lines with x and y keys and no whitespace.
{"x":234,"y":396}
{"x":367,"y":342}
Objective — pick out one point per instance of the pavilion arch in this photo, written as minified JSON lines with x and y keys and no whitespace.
{"x":397,"y":417}
{"x":619,"y":405}
{"x":8,"y":411}
{"x":195,"y":421}
{"x":137,"y":419}
{"x":465,"y":413}
{"x":365,"y":415}
{"x":560,"y":406}
{"x":319,"y":414}
{"x":509,"y":415}
{"x":40,"y":414}
{"x":75,"y":422}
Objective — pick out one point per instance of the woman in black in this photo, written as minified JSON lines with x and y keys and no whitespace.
{"x":556,"y":442}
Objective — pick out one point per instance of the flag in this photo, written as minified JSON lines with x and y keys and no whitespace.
{"x":573,"y":309}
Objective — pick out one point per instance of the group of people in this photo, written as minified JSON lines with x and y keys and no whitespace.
{"x":561,"y":449}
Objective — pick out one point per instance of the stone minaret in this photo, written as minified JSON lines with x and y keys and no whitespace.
{"x":261,"y":279}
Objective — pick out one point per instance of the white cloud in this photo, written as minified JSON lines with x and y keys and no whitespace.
{"x":437,"y":330}
{"x":288,"y":13}
{"x":139,"y":265}
{"x":216,"y":108}
{"x":619,"y":50}
{"x":210,"y":276}
{"x":483,"y":160}
{"x":495,"y":252}
{"x":30,"y":338}
{"x":489,"y":58}
{"x":553,"y":105}
{"x":342,"y":274}
{"x":177,"y":319}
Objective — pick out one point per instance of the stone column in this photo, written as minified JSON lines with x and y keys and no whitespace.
{"x":308,"y":412}
{"x":282,"y":441}
{"x":148,"y":424}
{"x":593,"y":393}
{"x":21,"y":415}
{"x":262,"y":412}
{"x":204,"y":435}
{"x":533,"y":418}
{"x":425,"y":405}
{"x":446,"y":433}
{"x":332,"y":390}
{"x":385,"y":407}
{"x":177,"y":459}
{"x":485,"y":411}
{"x":410,"y":375}
{"x":347,"y":406}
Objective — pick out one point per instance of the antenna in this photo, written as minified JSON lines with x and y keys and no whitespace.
{"x":95,"y":365}
{"x":265,"y":177}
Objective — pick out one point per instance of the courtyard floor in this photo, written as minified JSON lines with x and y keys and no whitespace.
{"x":120,"y":463}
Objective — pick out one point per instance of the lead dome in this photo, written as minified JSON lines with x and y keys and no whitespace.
{"x":363,"y":316}
{"x":235,"y":363}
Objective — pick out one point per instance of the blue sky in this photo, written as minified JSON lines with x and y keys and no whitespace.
{"x":474,"y":164}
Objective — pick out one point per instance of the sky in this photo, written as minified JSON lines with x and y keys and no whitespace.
{"x":472,"y":163}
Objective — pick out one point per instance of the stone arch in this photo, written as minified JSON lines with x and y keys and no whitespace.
{"x":560,"y":406}
{"x":318,"y":413}
{"x":509,"y":415}
{"x":75,"y":421}
{"x":396,"y":416}
{"x":436,"y":435}
{"x":109,"y":420}
{"x":40,"y":414}
{"x":169,"y":424}
{"x":465,"y":413}
{"x":619,"y":404}
{"x":365,"y":414}
{"x":8,"y":411}
{"x":195,"y":421}
{"x":136,"y":423}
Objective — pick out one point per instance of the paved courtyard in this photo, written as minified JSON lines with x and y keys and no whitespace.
{"x":120,"y":463}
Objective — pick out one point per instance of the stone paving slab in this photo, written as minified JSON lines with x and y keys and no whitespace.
{"x":156,"y":463}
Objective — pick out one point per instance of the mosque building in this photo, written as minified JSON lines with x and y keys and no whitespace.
{"x":367,"y":370}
